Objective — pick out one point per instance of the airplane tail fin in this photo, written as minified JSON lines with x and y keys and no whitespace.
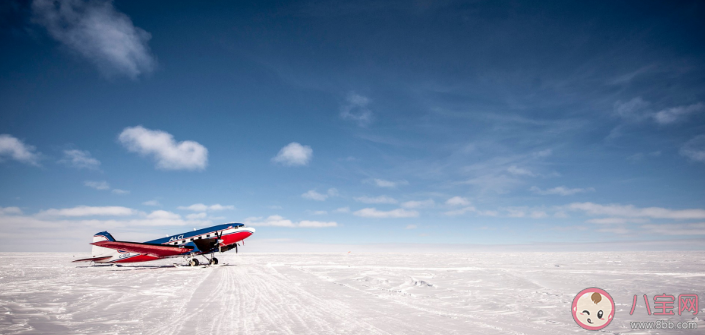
{"x":100,"y":251}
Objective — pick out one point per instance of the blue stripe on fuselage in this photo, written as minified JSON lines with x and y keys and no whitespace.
{"x":195,"y":233}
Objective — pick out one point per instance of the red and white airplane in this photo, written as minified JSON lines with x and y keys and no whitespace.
{"x":205,"y":242}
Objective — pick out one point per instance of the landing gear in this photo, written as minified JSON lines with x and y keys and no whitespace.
{"x":213,"y":261}
{"x":193,"y":262}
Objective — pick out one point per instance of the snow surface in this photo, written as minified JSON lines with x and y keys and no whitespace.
{"x":372,"y":293}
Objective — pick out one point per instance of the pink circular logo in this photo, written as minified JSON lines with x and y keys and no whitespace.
{"x":593,"y":308}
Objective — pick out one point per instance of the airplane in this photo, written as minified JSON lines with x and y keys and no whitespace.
{"x":205,"y":241}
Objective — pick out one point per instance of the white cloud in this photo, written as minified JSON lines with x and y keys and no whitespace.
{"x":695,"y":148}
{"x":396,"y":213}
{"x":152,"y":203}
{"x":614,"y":230}
{"x":616,"y":220}
{"x":294,"y":154}
{"x":355,"y":109}
{"x":10,"y":211}
{"x":460,"y":211}
{"x":317,"y":224}
{"x":388,"y":184}
{"x":382,"y":199}
{"x":197,"y":216}
{"x":313,"y":195}
{"x":515,"y":212}
{"x":279,"y":221}
{"x":103,"y":185}
{"x":517,"y":171}
{"x":98,"y":32}
{"x":637,"y":110}
{"x":543,"y":153}
{"x":674,"y":114}
{"x":632,"y":110}
{"x":98,"y":185}
{"x":80,"y":159}
{"x":161,"y":146}
{"x":15,"y":149}
{"x":319,"y":212}
{"x":457,"y":201}
{"x":59,"y":224}
{"x":419,"y":204}
{"x":411,"y":226}
{"x":203,"y":208}
{"x":538,"y":214}
{"x":560,"y":190}
{"x":342,"y":210}
{"x":90,"y":211}
{"x":634,"y":212}
{"x":676,"y":229}
{"x":560,"y":215}
{"x":162,"y":214}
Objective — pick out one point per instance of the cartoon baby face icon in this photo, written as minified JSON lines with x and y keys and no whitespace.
{"x":593,"y":308}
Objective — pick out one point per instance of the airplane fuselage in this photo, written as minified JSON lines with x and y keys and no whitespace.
{"x":220,"y":238}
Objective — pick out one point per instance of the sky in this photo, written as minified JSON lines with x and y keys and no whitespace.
{"x":366,"y":123}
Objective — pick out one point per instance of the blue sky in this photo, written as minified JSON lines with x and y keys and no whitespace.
{"x":338,"y":123}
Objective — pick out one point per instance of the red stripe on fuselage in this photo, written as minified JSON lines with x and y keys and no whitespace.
{"x":135,"y":259}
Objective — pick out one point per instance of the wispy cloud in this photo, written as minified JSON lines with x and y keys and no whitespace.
{"x":694,"y":149}
{"x":342,"y":210}
{"x":687,"y":229}
{"x":98,"y":185}
{"x":501,"y":174}
{"x":419,"y":204}
{"x":13,"y":148}
{"x":99,"y":33}
{"x":279,"y":221}
{"x":674,"y":114}
{"x":387,"y":183}
{"x":637,"y":109}
{"x":294,"y":154}
{"x":517,"y":171}
{"x":461,"y":211}
{"x":607,"y":221}
{"x":396,"y":213}
{"x":90,"y":211}
{"x":313,"y":195}
{"x":457,"y":201}
{"x":10,"y":211}
{"x":355,"y":109}
{"x":203,"y":208}
{"x":161,"y":146}
{"x":152,"y":203}
{"x":94,"y":217}
{"x":80,"y":159}
{"x":104,"y":186}
{"x":382,"y":199}
{"x":631,"y":211}
{"x":560,"y":190}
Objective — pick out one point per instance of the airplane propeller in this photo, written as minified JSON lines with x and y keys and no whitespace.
{"x":219,"y":241}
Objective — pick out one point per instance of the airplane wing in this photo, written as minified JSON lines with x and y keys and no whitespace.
{"x":94,"y":259}
{"x":157,"y":250}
